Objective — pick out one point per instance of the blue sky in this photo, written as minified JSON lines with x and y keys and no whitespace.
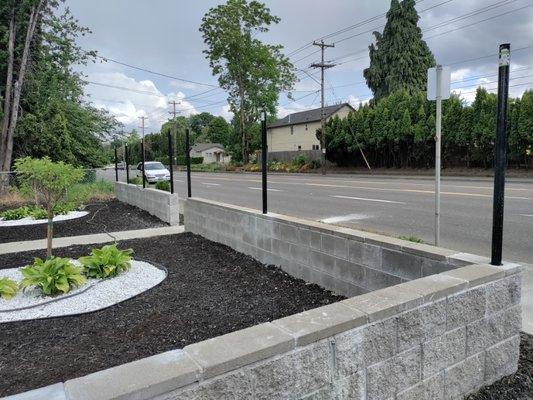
{"x":163,"y":36}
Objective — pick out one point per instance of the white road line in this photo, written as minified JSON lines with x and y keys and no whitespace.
{"x":365,"y":199}
{"x":210,"y":184}
{"x":269,"y":189}
{"x":526,"y":215}
{"x":178,"y":180}
{"x":344,"y":218}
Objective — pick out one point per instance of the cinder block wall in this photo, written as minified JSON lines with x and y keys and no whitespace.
{"x":163,"y":205}
{"x":346,"y":261}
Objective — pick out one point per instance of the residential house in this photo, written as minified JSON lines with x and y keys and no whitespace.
{"x":297,"y":131}
{"x":211,"y":152}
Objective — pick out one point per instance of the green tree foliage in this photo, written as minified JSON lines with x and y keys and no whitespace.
{"x":252,"y":72}
{"x":400,"y":57}
{"x":219,"y":131}
{"x":399,"y":130}
{"x":48,"y":182}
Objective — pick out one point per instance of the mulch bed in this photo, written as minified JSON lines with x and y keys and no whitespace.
{"x":210,"y":290}
{"x":518,"y":386}
{"x":108,"y":216}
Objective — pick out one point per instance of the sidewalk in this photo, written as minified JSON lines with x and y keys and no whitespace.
{"x":15,"y":247}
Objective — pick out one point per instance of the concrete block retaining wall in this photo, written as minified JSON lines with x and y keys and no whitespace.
{"x":433,"y":336}
{"x":346,"y":261}
{"x":161,"y":204}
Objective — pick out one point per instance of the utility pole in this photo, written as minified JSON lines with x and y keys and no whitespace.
{"x":323,"y":66}
{"x":143,"y":118}
{"x":438,"y":129}
{"x":173,"y":103}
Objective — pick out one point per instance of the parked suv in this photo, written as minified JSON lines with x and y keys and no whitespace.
{"x":155,"y":171}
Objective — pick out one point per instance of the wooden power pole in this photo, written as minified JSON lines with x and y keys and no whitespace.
{"x":323,"y":66}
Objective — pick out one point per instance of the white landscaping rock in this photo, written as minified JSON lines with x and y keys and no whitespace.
{"x":32,"y":221}
{"x":94,"y":295}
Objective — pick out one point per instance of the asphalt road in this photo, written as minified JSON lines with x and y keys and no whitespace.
{"x":398,"y":206}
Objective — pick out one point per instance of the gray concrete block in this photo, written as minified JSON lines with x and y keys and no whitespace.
{"x":315,"y":240}
{"x":443,"y":351}
{"x":52,"y":392}
{"x":144,"y":378}
{"x":394,"y":375}
{"x":464,"y":377}
{"x":431,"y":388}
{"x":299,"y":253}
{"x":364,"y":254}
{"x":293,"y":374}
{"x":502,"y":359}
{"x":322,"y":322}
{"x":374,"y":279}
{"x":365,"y":346}
{"x":233,"y":350}
{"x":490,"y":330}
{"x":335,"y":245}
{"x":351,"y":387}
{"x":404,"y":265}
{"x":421,"y":324}
{"x":304,"y":237}
{"x":281,"y":249}
{"x":466,"y":307}
{"x":322,"y":261}
{"x":432,"y":267}
{"x":504,"y":293}
{"x":348,"y":271}
{"x":286,"y":232}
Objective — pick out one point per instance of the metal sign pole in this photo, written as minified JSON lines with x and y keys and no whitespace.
{"x":264,"y":165}
{"x":171,"y":162}
{"x":142,"y":158}
{"x":116,"y":165}
{"x":126,"y":160}
{"x":188,"y":162}
{"x":437,"y":154}
{"x":500,"y":154}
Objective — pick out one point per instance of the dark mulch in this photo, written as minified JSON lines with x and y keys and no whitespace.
{"x":210,"y":290}
{"x":108,"y":216}
{"x":518,"y":386}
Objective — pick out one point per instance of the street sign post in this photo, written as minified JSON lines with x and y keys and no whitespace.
{"x":438,"y":88}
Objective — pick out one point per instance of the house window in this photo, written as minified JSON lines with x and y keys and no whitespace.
{"x":299,"y":147}
{"x":292,"y":129}
{"x":315,"y":147}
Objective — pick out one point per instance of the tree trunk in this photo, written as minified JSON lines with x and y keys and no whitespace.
{"x":9,"y":85}
{"x":49,"y":233}
{"x":17,"y":89}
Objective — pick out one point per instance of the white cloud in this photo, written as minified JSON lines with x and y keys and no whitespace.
{"x":355,"y":101}
{"x":226,"y":113}
{"x":460,"y":74}
{"x":184,"y":85}
{"x":129,"y":99}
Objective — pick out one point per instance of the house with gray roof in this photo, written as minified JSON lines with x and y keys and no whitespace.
{"x":297,"y":132}
{"x":211,"y":152}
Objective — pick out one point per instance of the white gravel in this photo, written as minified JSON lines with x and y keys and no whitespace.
{"x":32,"y":221}
{"x":94,"y":295}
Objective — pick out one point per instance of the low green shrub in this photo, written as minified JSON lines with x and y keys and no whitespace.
{"x":52,"y":276}
{"x":8,"y":288}
{"x":411,"y":238}
{"x":39,"y":212}
{"x":106,"y":262}
{"x":136,"y":180}
{"x":315,"y":164}
{"x":163,"y":185}
{"x":83,"y":192}
{"x":299,"y":160}
{"x":16,"y":213}
{"x":213,"y":167}
{"x":64,"y":208}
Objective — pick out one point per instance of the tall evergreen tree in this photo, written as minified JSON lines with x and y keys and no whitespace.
{"x":400,"y":57}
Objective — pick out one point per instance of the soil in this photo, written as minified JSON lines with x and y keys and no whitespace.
{"x":210,"y":290}
{"x":518,"y":386}
{"x":108,"y":216}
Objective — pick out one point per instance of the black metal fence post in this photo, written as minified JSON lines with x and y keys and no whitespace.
{"x":116,"y":165}
{"x":142,"y":158}
{"x":171,"y":162}
{"x":188,"y":162}
{"x":264,"y":164}
{"x":500,"y":154}
{"x":127,"y":166}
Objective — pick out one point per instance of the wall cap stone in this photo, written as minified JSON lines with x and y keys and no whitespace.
{"x":433,"y":287}
{"x":318,"y":323}
{"x":144,"y":378}
{"x":236,"y":349}
{"x":52,"y":392}
{"x":476,"y":274}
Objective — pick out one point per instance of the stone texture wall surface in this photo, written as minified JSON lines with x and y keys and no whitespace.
{"x":163,"y":205}
{"x":346,"y":261}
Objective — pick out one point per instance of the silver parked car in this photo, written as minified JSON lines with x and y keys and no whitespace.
{"x":155,"y":171}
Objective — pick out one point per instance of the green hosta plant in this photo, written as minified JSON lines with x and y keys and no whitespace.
{"x":106,"y":262}
{"x":38,"y":213}
{"x":16,"y":213}
{"x":52,"y":276}
{"x":8,"y":288}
